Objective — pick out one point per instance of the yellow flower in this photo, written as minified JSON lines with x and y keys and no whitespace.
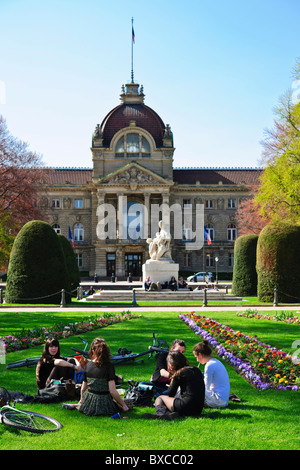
{"x":281,"y":380}
{"x":280,"y":361}
{"x":277,"y":376}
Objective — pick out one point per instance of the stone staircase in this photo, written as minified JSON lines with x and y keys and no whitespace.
{"x":162,"y":295}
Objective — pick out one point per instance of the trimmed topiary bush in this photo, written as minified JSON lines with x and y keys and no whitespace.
{"x":71,"y":263}
{"x":278,"y":262}
{"x":244,"y":281}
{"x":37,"y":271}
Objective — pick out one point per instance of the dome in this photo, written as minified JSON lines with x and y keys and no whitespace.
{"x":132,"y":109}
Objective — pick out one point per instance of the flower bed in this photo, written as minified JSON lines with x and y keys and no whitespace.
{"x":37,"y":336}
{"x":277,"y":316}
{"x":265,"y":367}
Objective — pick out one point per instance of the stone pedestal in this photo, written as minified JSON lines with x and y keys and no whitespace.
{"x":160,"y":270}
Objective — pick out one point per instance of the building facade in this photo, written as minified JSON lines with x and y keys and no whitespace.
{"x":132,"y":177}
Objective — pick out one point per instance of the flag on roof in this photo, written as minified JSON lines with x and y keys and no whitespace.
{"x":133,"y":35}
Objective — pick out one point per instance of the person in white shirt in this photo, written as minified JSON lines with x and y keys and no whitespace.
{"x":216,"y":379}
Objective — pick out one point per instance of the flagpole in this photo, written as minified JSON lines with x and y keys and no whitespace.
{"x":132,"y":39}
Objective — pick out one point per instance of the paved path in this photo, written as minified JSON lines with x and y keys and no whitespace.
{"x":183,"y":308}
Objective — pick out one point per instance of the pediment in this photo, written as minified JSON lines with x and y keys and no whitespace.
{"x":134,"y":175}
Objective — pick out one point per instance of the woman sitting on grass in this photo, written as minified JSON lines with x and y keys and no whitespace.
{"x":99,"y":395}
{"x":217,"y":385}
{"x":53,"y":366}
{"x":190,"y":400}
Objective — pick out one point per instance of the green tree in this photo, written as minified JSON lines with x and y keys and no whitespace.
{"x":71,"y":262}
{"x":279,"y":193}
{"x":37,"y":272}
{"x":278,"y":261}
{"x":244,"y":281}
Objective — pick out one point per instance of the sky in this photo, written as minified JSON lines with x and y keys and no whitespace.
{"x":213,"y":70}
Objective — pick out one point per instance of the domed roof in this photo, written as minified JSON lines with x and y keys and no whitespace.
{"x":132,"y":109}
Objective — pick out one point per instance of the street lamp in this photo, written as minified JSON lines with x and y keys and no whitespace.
{"x":216,"y":260}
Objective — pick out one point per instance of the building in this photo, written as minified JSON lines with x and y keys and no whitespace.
{"x":132,"y":155}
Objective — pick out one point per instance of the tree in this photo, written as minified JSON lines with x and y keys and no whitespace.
{"x":20,"y":178}
{"x":71,"y":262}
{"x":278,"y":196}
{"x":248,"y":217}
{"x":244,"y":281}
{"x":37,"y":272}
{"x":278,"y":260}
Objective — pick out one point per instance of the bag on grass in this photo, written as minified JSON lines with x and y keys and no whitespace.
{"x":139,"y":396}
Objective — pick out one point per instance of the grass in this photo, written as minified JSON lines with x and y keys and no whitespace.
{"x":263,"y":420}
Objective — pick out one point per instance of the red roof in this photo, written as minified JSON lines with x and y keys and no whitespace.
{"x":188,"y":176}
{"x":247,"y":176}
{"x":69,"y":175}
{"x":121,"y":115}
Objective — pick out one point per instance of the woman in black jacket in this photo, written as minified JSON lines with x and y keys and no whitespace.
{"x":190,"y":400}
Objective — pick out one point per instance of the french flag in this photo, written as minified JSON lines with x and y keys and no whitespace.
{"x":133,"y":36}
{"x":71,"y":238}
{"x":207,"y":236}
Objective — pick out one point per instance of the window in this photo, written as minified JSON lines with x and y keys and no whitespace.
{"x":210,"y":260}
{"x":231,"y":204}
{"x":187,"y":261}
{"x":186,"y":203}
{"x":78,"y":204}
{"x":79,"y":260}
{"x":187,"y":233}
{"x":55,"y":203}
{"x":132,"y":146}
{"x":56,"y":228}
{"x":230,"y":259}
{"x":78,"y":233}
{"x":231,"y":232}
{"x":209,"y":204}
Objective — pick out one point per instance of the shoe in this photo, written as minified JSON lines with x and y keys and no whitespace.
{"x":233,"y":397}
{"x":169,"y":416}
{"x":68,"y":407}
{"x":150,"y":416}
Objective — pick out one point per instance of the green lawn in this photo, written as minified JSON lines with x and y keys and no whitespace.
{"x":263,"y":419}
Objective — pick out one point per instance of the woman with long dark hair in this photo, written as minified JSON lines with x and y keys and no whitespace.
{"x":99,"y":395}
{"x":53,"y":366}
{"x":190,"y":400}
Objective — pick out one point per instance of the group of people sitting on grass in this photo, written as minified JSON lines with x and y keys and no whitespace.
{"x":182,"y":390}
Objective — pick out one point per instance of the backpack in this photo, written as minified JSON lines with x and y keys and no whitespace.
{"x":138,"y":395}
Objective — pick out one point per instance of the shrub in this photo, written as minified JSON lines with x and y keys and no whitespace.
{"x":278,"y":261}
{"x":71,"y":262}
{"x":36,"y":271}
{"x":244,"y":281}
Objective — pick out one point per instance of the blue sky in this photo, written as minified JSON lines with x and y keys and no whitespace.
{"x":213,"y":70}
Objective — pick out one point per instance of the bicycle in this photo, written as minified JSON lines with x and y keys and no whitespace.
{"x":32,"y":361}
{"x":25,"y":420}
{"x":125,"y":356}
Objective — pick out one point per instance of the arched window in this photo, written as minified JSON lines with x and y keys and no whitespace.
{"x":78,"y":233}
{"x":231,"y":232}
{"x":132,"y":146}
{"x":56,"y":228}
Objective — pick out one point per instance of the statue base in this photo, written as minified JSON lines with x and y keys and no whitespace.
{"x":160,"y":270}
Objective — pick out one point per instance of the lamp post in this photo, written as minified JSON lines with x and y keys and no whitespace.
{"x":216,"y":260}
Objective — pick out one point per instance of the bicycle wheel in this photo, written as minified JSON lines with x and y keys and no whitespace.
{"x":29,"y":361}
{"x":29,"y":421}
